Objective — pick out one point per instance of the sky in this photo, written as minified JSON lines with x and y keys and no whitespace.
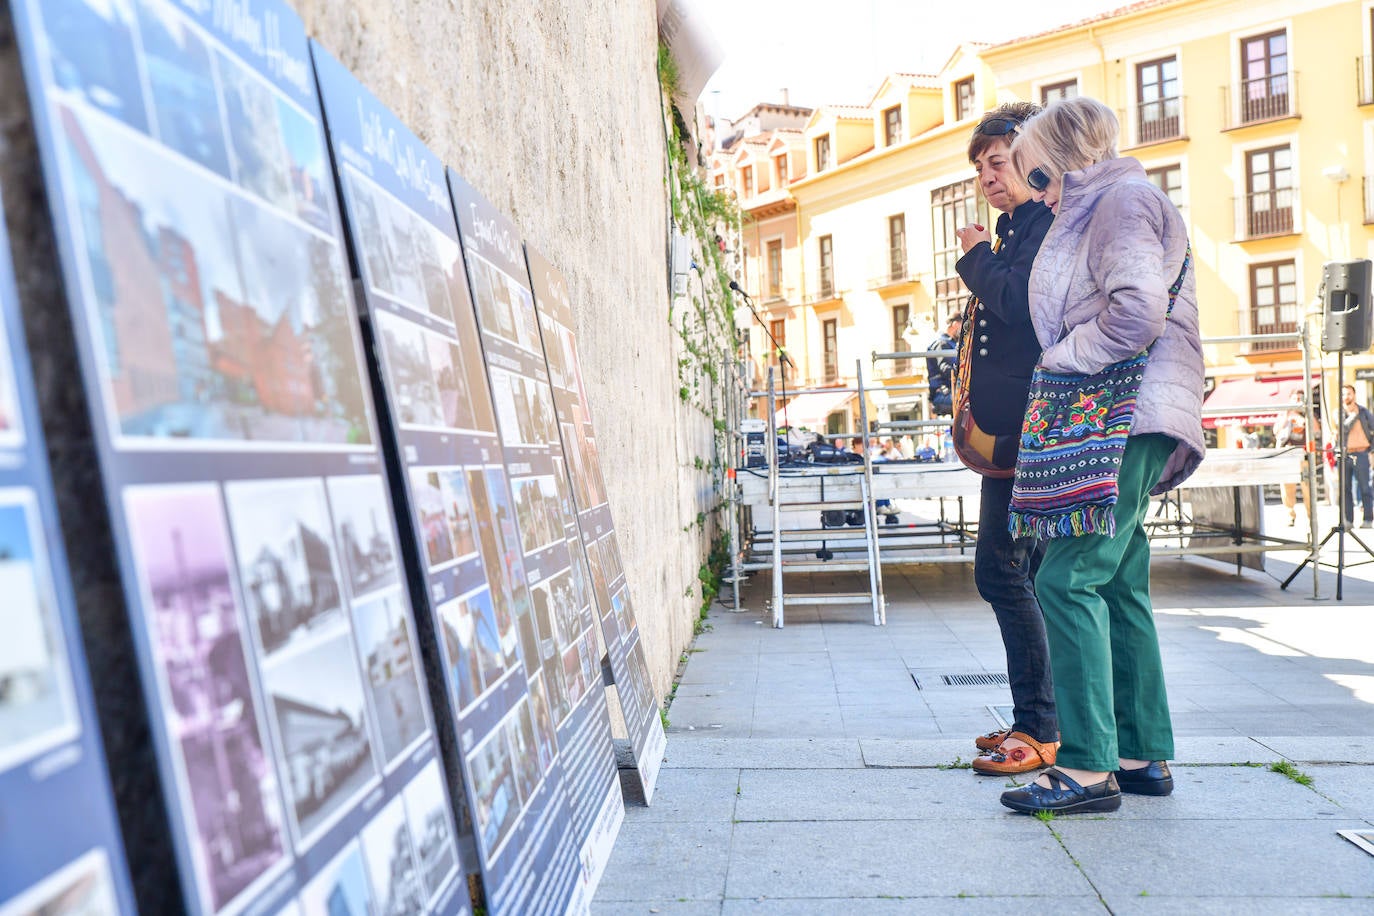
{"x":828,"y":52}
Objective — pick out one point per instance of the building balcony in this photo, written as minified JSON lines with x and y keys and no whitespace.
{"x":1364,"y":81}
{"x":1160,"y":121}
{"x":1265,"y":214}
{"x":897,"y":271}
{"x":1260,"y":100}
{"x":822,"y":288}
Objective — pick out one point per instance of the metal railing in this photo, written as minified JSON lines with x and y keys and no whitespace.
{"x":1261,"y":98}
{"x":1266,"y":213}
{"x":1159,"y":121}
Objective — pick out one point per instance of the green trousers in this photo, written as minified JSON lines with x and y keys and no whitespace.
{"x":1104,"y":652}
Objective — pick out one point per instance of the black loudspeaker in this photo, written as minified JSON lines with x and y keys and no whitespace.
{"x":1347,"y":313}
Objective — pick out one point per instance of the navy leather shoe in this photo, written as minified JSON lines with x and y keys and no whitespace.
{"x":1152,"y":779}
{"x":1065,"y":796}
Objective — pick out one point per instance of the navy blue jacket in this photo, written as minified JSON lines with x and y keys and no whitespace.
{"x":1005,"y":348}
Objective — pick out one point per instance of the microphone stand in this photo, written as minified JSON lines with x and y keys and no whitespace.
{"x":783,"y":359}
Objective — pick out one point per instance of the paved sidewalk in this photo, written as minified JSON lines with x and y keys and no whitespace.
{"x":822,"y":768}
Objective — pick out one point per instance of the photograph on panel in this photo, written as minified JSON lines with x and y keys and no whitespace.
{"x":80,"y":888}
{"x":566,"y":510}
{"x":340,"y":888}
{"x":431,"y":828}
{"x":414,"y":389}
{"x":610,"y":555}
{"x":458,"y":510}
{"x":512,"y":407}
{"x":526,"y":323}
{"x":495,"y":792}
{"x":324,"y":746}
{"x":598,"y":572}
{"x":472,"y":647}
{"x":200,"y":646}
{"x":581,"y":585}
{"x":11,"y":421}
{"x":492,"y":288}
{"x":502,"y":560}
{"x":381,"y":624}
{"x":536,"y":508}
{"x":362,"y":526}
{"x":543,"y":415}
{"x":182,"y":87}
{"x":216,"y":318}
{"x":109,"y":82}
{"x":391,"y":863}
{"x":427,"y":491}
{"x":575,"y":671}
{"x":573,"y":449}
{"x":558,"y":372}
{"x":544,"y":732}
{"x":550,"y":649}
{"x":446,"y":367}
{"x":37,"y":706}
{"x":520,"y":729}
{"x":591,"y":457}
{"x":286,"y":560}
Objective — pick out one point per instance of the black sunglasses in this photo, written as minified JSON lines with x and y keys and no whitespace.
{"x":1037,"y":179}
{"x":998,"y":127}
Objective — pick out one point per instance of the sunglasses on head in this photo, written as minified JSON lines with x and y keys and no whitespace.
{"x":998,"y":127}
{"x":1037,"y":179}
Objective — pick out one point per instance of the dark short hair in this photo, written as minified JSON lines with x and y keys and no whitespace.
{"x":1016,"y":111}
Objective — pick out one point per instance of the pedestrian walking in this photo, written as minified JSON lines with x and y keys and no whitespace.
{"x":1357,"y":428}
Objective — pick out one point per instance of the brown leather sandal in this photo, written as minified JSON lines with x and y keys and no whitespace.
{"x":1012,"y":760}
{"x":992,"y":740}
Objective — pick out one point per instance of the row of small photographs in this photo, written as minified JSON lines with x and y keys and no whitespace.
{"x":637,"y":700}
{"x":567,"y":657}
{"x":79,"y":888}
{"x":539,"y":509}
{"x":610,"y":556}
{"x":406,"y":258}
{"x":214,"y":318}
{"x":505,"y":307}
{"x":163,"y":76}
{"x":286,"y":691}
{"x":11,"y":421}
{"x":507,"y":767}
{"x":435,"y":382}
{"x":37,"y":703}
{"x":525,"y":407}
{"x":399,"y":864}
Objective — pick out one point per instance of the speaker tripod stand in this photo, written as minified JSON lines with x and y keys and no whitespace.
{"x":1342,"y":529}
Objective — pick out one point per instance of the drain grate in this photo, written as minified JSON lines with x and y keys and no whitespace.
{"x":977,"y":679}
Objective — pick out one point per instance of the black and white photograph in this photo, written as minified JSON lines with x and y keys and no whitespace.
{"x":504,"y":310}
{"x":382,"y":627}
{"x":285,"y":557}
{"x":610,"y":557}
{"x":526,"y":322}
{"x":430,"y":505}
{"x":181,"y":82}
{"x":182,"y":550}
{"x":362,"y":527}
{"x":80,"y":888}
{"x":543,"y":415}
{"x":512,"y":407}
{"x":441,"y":268}
{"x":37,"y":707}
{"x":371,"y":238}
{"x":216,"y":319}
{"x":486,"y":296}
{"x":560,"y":482}
{"x":553,"y":351}
{"x":526,"y":752}
{"x":340,"y":888}
{"x":414,"y":389}
{"x":391,"y":864}
{"x":494,"y":789}
{"x":321,"y":716}
{"x":446,"y":364}
{"x":404,"y":232}
{"x":431,"y":829}
{"x":462,"y":652}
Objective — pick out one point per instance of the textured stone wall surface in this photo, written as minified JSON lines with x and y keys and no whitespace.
{"x":552,"y":110}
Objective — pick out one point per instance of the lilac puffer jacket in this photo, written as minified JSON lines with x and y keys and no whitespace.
{"x":1103,"y":274}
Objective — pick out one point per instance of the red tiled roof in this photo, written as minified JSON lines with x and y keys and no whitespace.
{"x":1137,"y":7}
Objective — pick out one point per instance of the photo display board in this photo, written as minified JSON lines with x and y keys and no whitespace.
{"x":619,"y":630}
{"x":196,"y":220}
{"x":59,"y":838}
{"x":533,"y":731}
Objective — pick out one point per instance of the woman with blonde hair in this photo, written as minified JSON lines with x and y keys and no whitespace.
{"x":1112,"y":278}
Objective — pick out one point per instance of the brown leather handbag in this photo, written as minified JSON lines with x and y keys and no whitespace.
{"x":988,"y":454}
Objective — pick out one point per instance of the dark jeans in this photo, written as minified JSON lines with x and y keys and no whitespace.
{"x":1357,"y":481}
{"x":1004,"y":570}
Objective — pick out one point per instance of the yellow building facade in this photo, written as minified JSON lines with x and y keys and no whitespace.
{"x":1257,"y":118}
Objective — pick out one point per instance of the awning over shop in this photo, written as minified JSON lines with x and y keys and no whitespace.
{"x":1249,"y":401}
{"x":810,"y":410}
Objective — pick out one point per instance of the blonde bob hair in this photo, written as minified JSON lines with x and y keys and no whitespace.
{"x":1069,"y":134}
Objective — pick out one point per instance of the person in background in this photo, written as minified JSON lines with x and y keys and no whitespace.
{"x":1357,"y":426}
{"x":1291,"y":432}
{"x":1002,"y":355}
{"x":940,"y":369}
{"x":1112,"y":278}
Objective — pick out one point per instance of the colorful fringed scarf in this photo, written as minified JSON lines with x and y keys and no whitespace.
{"x":1072,"y":440}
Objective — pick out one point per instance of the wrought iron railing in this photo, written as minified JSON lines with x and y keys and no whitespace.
{"x":1261,"y":98}
{"x":1266,"y":213}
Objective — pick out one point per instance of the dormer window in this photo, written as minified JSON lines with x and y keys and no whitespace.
{"x":748,"y":176}
{"x":892,"y":126}
{"x":782,"y":169}
{"x":823,"y":153}
{"x":963,"y":99}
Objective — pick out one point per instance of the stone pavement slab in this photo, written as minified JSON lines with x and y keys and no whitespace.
{"x":1323,"y":749}
{"x":686,"y":863}
{"x":762,"y":753}
{"x":864,"y":795}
